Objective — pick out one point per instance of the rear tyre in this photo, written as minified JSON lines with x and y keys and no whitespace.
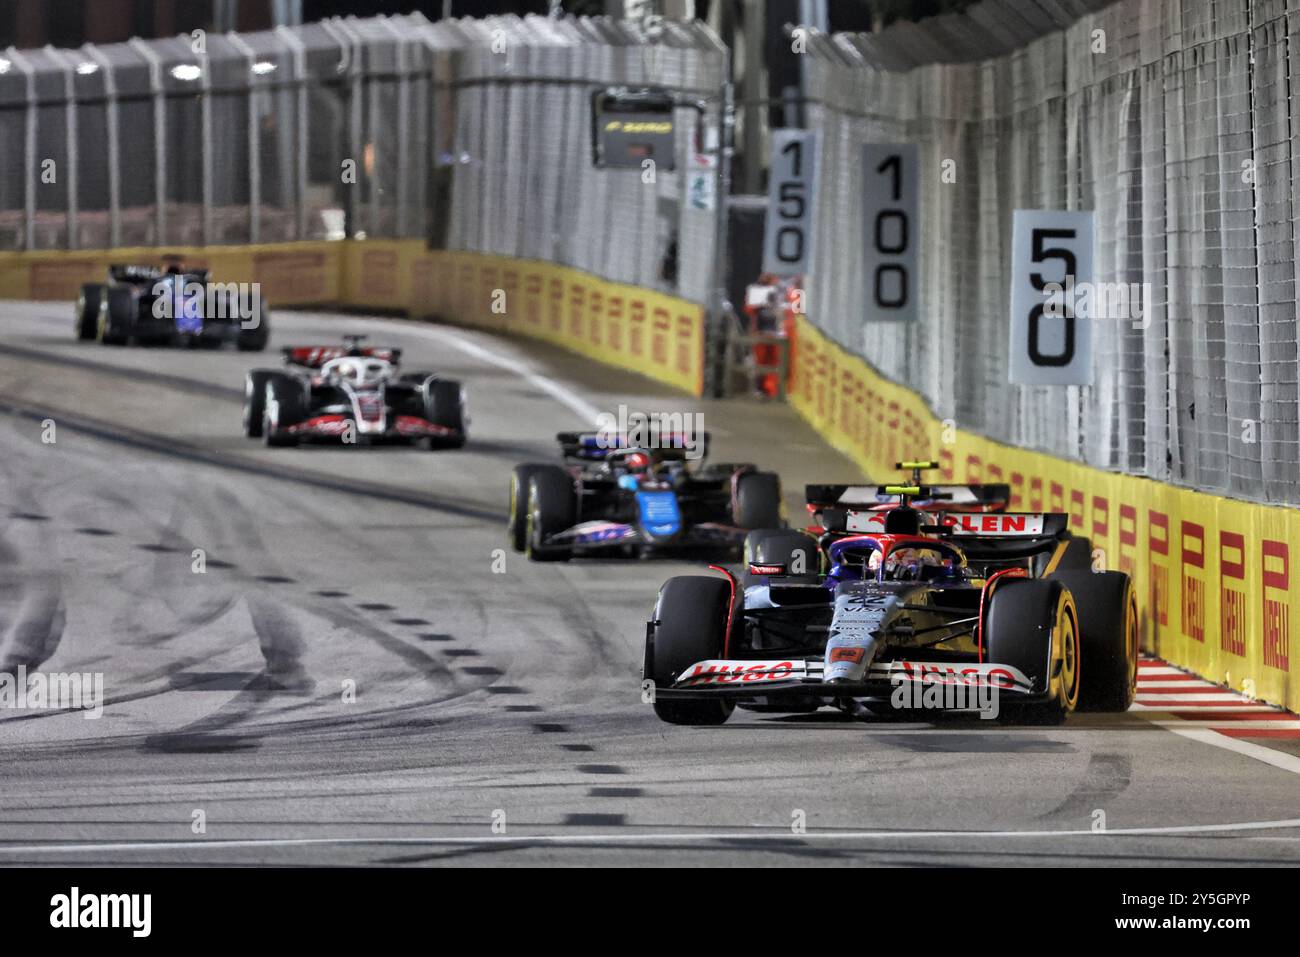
{"x":116,"y":315}
{"x":87,"y":325}
{"x":1076,"y":557}
{"x":553,"y":508}
{"x":1033,"y":626}
{"x":690,"y":625}
{"x":520,"y":503}
{"x":795,"y":551}
{"x":255,"y":338}
{"x":758,"y":500}
{"x":444,"y":405}
{"x":285,"y":405}
{"x":1108,"y":627}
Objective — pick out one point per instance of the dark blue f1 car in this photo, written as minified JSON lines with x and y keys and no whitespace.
{"x":611,"y":498}
{"x":172,"y":305}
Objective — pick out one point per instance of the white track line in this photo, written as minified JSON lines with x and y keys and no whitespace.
{"x":458,"y":339}
{"x":1153,"y":702}
{"x":1206,"y":709}
{"x":620,"y":836}
{"x":1276,"y":724}
{"x":1278,"y":759}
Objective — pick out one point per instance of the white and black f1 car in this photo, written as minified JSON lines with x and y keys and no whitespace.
{"x":352,"y":394}
{"x":611,"y":498}
{"x":175,"y":306}
{"x":1002,"y":601}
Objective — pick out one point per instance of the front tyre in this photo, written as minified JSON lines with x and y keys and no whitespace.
{"x":255,"y":401}
{"x":1033,"y":625}
{"x":1108,"y":627}
{"x":285,"y":406}
{"x":116,"y":315}
{"x":553,"y":508}
{"x":87,"y":321}
{"x":690,"y":625}
{"x":520,"y":504}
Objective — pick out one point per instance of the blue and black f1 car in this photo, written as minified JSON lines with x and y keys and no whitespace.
{"x":931,"y":610}
{"x":172,"y":305}
{"x":611,"y":498}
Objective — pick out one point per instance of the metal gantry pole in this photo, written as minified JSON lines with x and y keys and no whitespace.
{"x":70,"y":136}
{"x":29,"y":148}
{"x":205,"y":117}
{"x":111,"y":120}
{"x":299,"y":54}
{"x":254,"y":141}
{"x":717,"y":332}
{"x":160,"y":135}
{"x":352,"y":55}
{"x":754,"y":95}
{"x":403,"y":125}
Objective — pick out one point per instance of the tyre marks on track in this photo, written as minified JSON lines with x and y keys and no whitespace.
{"x":31,"y":633}
{"x":188,"y":452}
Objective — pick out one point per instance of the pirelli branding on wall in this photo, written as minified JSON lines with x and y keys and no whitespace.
{"x":648,"y":332}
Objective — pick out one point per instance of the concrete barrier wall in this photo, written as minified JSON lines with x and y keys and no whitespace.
{"x":641,"y":330}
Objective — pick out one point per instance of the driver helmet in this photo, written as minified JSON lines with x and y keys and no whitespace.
{"x":360,"y":371}
{"x":638,"y":462}
{"x":906,"y":564}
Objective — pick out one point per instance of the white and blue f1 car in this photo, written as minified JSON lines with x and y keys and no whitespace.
{"x":1005,"y":603}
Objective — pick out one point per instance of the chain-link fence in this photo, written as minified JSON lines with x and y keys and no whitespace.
{"x":474,"y":134}
{"x":1174,"y":121}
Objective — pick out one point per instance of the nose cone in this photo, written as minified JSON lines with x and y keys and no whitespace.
{"x":858,"y":621}
{"x":845,"y":663}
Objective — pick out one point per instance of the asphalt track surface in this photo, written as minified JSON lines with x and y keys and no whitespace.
{"x":482,"y":698}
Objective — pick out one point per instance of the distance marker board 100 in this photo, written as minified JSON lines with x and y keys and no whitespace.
{"x":891,"y":178}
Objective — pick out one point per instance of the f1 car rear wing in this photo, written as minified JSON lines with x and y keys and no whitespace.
{"x":1002,"y":536}
{"x":930,"y":498}
{"x":1004,"y":525}
{"x":313,"y":357}
{"x":129,"y":273}
{"x":595,"y":446}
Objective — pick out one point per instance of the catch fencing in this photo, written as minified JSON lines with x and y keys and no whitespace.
{"x":472,"y":134}
{"x":1175,"y":121}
